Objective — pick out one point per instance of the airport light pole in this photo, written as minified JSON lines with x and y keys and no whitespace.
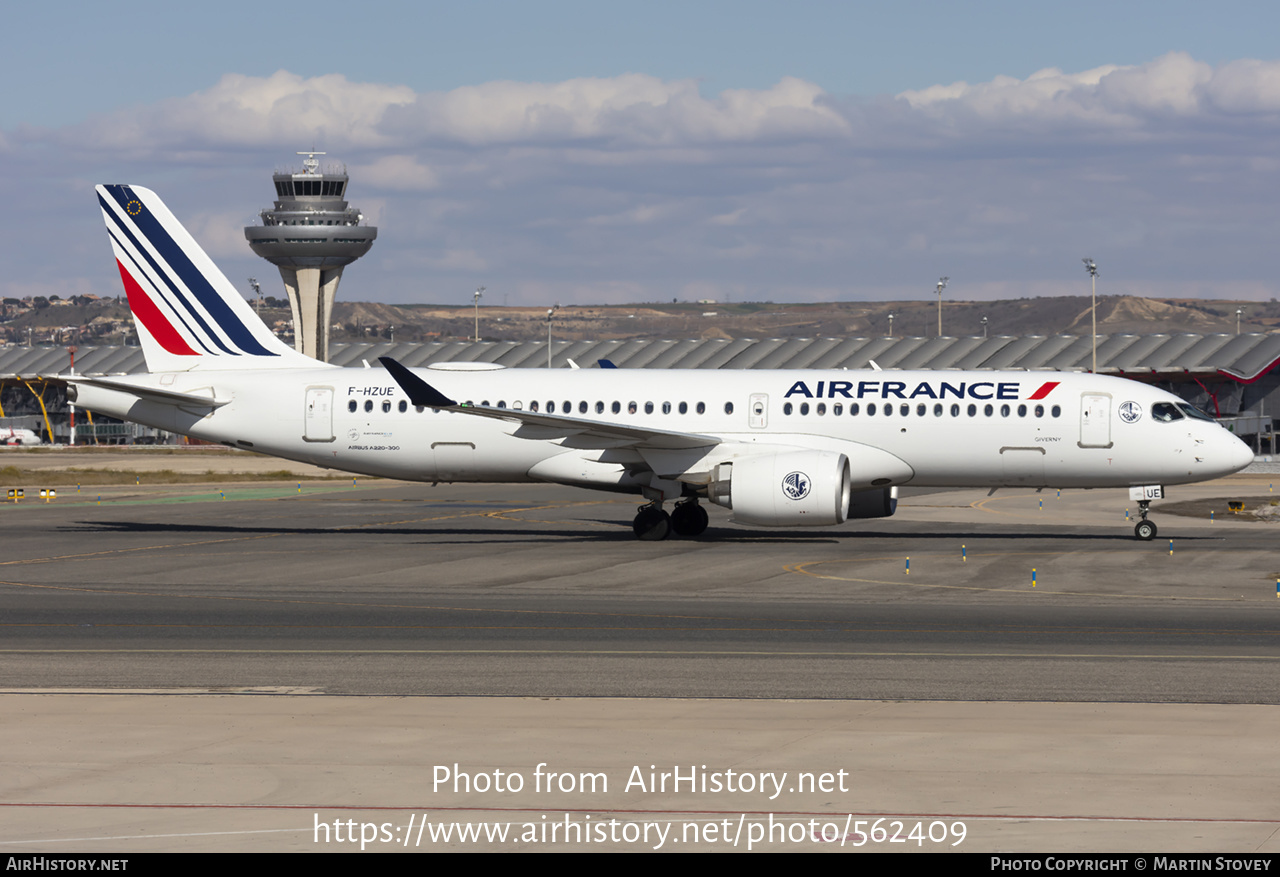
{"x":479,"y":292}
{"x":891,"y":325}
{"x":257,"y":290}
{"x":984,"y":327}
{"x":550,"y":311}
{"x":1239,"y":313}
{"x":1092,"y":268}
{"x":942,"y":284}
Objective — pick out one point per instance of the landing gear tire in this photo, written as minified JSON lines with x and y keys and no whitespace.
{"x":689,"y":519}
{"x":1145,"y":530}
{"x":651,"y":524}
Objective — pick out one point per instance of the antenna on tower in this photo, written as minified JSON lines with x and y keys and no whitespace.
{"x":309,"y":164}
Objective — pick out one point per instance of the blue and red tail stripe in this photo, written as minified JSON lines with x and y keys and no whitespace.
{"x":190,"y":281}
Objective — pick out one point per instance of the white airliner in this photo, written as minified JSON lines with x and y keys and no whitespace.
{"x":19,"y":437}
{"x":778,"y":448}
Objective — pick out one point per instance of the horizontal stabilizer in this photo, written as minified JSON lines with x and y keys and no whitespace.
{"x":152,"y":394}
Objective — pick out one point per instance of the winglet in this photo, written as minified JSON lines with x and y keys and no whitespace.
{"x":605,"y":363}
{"x":421,"y":394}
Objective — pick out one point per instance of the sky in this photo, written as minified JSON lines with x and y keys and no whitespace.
{"x":602,"y":152}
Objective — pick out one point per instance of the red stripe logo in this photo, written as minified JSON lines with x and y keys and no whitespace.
{"x":150,"y":317}
{"x":1045,"y":390}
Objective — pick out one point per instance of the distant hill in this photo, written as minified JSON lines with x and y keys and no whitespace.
{"x":1029,"y":316}
{"x":102,"y":323}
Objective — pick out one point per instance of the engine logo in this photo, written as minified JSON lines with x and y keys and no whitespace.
{"x":796,"y":485}
{"x":1130,"y":412}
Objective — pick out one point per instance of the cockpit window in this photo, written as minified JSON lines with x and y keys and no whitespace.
{"x":1165,"y":412}
{"x":1194,"y":413}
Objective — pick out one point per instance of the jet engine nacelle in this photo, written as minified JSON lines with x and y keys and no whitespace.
{"x":873,"y":503}
{"x":797,"y":489}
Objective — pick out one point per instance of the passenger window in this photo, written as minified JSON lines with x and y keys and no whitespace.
{"x":599,"y":408}
{"x":666,"y":407}
{"x":786,"y":409}
{"x":353,"y":406}
{"x":937,"y":410}
{"x":631,"y":407}
{"x":1004,"y":410}
{"x":501,"y":404}
{"x":728,"y":408}
{"x":684,"y":407}
{"x":702,"y":408}
{"x":854,"y":408}
{"x":871,"y":409}
{"x":1039,"y":411}
{"x":386,"y":406}
{"x":837,"y":409}
{"x":987,"y":409}
{"x":368,"y":406}
{"x":1022,"y":410}
{"x":920,"y":410}
{"x":804,"y":407}
{"x":1057,"y":411}
{"x":821,"y":409}
{"x":404,"y":406}
{"x":582,"y":407}
{"x":518,"y":405}
{"x":888,"y":408}
{"x":973,"y":410}
{"x":533,"y":406}
{"x":648,"y":408}
{"x":955,"y":410}
{"x":566,"y":408}
{"x":616,"y":407}
{"x":904,"y":409}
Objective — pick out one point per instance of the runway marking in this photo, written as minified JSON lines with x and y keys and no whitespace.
{"x":731,"y":653}
{"x":502,"y":514}
{"x":981,"y":504}
{"x":94,"y":554}
{"x":50,"y":840}
{"x":606,"y":810}
{"x":803,"y":569}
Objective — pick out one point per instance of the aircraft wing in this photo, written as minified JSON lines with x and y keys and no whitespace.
{"x":576,"y":432}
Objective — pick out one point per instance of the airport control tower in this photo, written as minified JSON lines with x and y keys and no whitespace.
{"x":311,"y":235}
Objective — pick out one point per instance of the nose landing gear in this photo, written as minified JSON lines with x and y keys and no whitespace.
{"x":1144,"y":529}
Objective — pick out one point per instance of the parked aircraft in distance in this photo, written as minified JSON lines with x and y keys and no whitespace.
{"x":778,"y":448}
{"x":19,"y":437}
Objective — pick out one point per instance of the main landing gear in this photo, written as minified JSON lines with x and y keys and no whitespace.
{"x":652,"y":524}
{"x":1144,"y":529}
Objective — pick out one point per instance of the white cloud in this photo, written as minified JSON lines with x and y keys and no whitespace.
{"x":396,"y":172}
{"x":634,"y":187}
{"x":1174,"y":86}
{"x":282,"y":109}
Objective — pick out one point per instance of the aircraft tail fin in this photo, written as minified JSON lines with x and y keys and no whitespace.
{"x":188,"y":315}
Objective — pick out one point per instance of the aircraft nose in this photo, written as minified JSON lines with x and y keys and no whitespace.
{"x":1236,"y":454}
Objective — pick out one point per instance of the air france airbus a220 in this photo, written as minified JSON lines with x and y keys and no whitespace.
{"x":778,"y":448}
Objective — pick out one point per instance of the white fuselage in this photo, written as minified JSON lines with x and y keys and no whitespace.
{"x":948,"y":429}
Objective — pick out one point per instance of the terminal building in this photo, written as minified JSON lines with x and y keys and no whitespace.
{"x":1235,"y":378}
{"x":311,"y":234}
